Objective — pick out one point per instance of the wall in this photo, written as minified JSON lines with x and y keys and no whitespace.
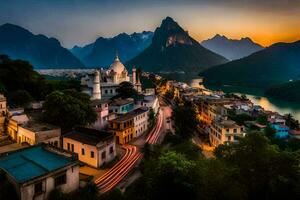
{"x":86,"y":158}
{"x":72,"y":183}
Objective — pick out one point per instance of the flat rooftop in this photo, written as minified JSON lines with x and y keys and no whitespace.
{"x":121,"y":102}
{"x":89,"y":136}
{"x":38,"y":126}
{"x":32,"y":162}
{"x":131,"y":114}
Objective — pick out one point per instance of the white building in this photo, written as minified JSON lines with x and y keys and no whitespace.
{"x":93,"y":147}
{"x":101,"y":108}
{"x":141,"y":120}
{"x":104,"y":83}
{"x":151,"y":101}
{"x":38,"y":170}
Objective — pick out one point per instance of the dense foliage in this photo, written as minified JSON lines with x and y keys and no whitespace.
{"x":21,"y":84}
{"x":288,"y":91}
{"x":126,"y":90}
{"x":68,"y":108}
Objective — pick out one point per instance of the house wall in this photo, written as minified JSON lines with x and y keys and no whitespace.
{"x":140,"y":124}
{"x":72,"y":183}
{"x":78,"y":146}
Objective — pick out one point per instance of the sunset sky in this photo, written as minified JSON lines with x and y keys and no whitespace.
{"x":82,"y":21}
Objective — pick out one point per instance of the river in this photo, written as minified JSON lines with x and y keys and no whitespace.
{"x":258,"y":98}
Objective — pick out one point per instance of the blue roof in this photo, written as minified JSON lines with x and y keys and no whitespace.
{"x":32,"y":162}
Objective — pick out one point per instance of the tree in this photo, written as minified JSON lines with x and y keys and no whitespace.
{"x":185,"y":120}
{"x":19,"y":98}
{"x":262,"y":119}
{"x":126,"y":90}
{"x":68,"y":108}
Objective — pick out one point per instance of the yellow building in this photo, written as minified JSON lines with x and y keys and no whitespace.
{"x":222,"y":131}
{"x":130,"y":125}
{"x":123,"y":128}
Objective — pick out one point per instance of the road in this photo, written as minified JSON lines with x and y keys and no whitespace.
{"x":131,"y":157}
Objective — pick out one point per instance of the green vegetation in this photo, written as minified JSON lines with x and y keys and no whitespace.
{"x":21,"y":84}
{"x":185,"y":120}
{"x":288,"y":91}
{"x":68,"y":108}
{"x":126,"y":90}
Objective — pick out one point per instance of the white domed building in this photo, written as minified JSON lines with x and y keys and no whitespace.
{"x":109,"y":80}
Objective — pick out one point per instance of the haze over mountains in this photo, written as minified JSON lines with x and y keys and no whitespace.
{"x":41,"y":51}
{"x":230,"y":48}
{"x":172,"y":49}
{"x":276,"y":64}
{"x":102,"y":52}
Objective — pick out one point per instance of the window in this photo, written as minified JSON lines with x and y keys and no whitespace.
{"x":60,"y":180}
{"x":38,"y":188}
{"x":234,"y":130}
{"x":111,"y":150}
{"x":103,"y":155}
{"x":92,"y":154}
{"x":106,"y":91}
{"x":82,"y":151}
{"x":56,"y":143}
{"x":72,"y":147}
{"x":111,"y":91}
{"x":68,"y":146}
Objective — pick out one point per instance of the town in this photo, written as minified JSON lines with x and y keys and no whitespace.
{"x":38,"y":157}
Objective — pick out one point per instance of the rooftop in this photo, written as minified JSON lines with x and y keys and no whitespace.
{"x":121,"y":102}
{"x":227,"y":124}
{"x":97,"y":102}
{"x":89,"y":136}
{"x":131,"y":114}
{"x":32,"y":162}
{"x":38,"y":126}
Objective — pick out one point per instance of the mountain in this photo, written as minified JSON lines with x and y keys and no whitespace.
{"x":274,"y":65}
{"x":231,"y":49}
{"x":102,"y":52}
{"x":39,"y":50}
{"x":289,"y":91}
{"x":172,"y":49}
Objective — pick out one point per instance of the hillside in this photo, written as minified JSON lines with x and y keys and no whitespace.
{"x":172,"y":49}
{"x":230,"y":48}
{"x":289,"y":91}
{"x":103,"y":50}
{"x":39,"y":50}
{"x":274,"y":65}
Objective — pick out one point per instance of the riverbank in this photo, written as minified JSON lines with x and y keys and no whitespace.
{"x":258,"y":97}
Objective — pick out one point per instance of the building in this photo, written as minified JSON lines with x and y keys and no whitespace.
{"x":34,"y":133}
{"x":121,"y":106}
{"x":13,"y":125}
{"x":36,"y":171}
{"x":282,"y":131}
{"x":103,"y":83}
{"x":93,"y":147}
{"x":222,"y":131}
{"x":101,"y":108}
{"x":130,"y":125}
{"x":151,"y":101}
{"x":3,"y":111}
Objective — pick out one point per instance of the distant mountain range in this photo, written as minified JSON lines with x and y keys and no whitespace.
{"x":172,"y":49}
{"x":41,"y":51}
{"x":276,"y":64}
{"x":103,"y":50}
{"x":231,"y":49}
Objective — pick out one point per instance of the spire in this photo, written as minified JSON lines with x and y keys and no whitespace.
{"x":117,"y":56}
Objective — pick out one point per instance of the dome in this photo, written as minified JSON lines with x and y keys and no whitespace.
{"x":117,"y":66}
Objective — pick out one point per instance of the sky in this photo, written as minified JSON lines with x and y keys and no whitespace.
{"x":79,"y":22}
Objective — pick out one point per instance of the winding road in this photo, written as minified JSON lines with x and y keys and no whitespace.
{"x":132,"y":154}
